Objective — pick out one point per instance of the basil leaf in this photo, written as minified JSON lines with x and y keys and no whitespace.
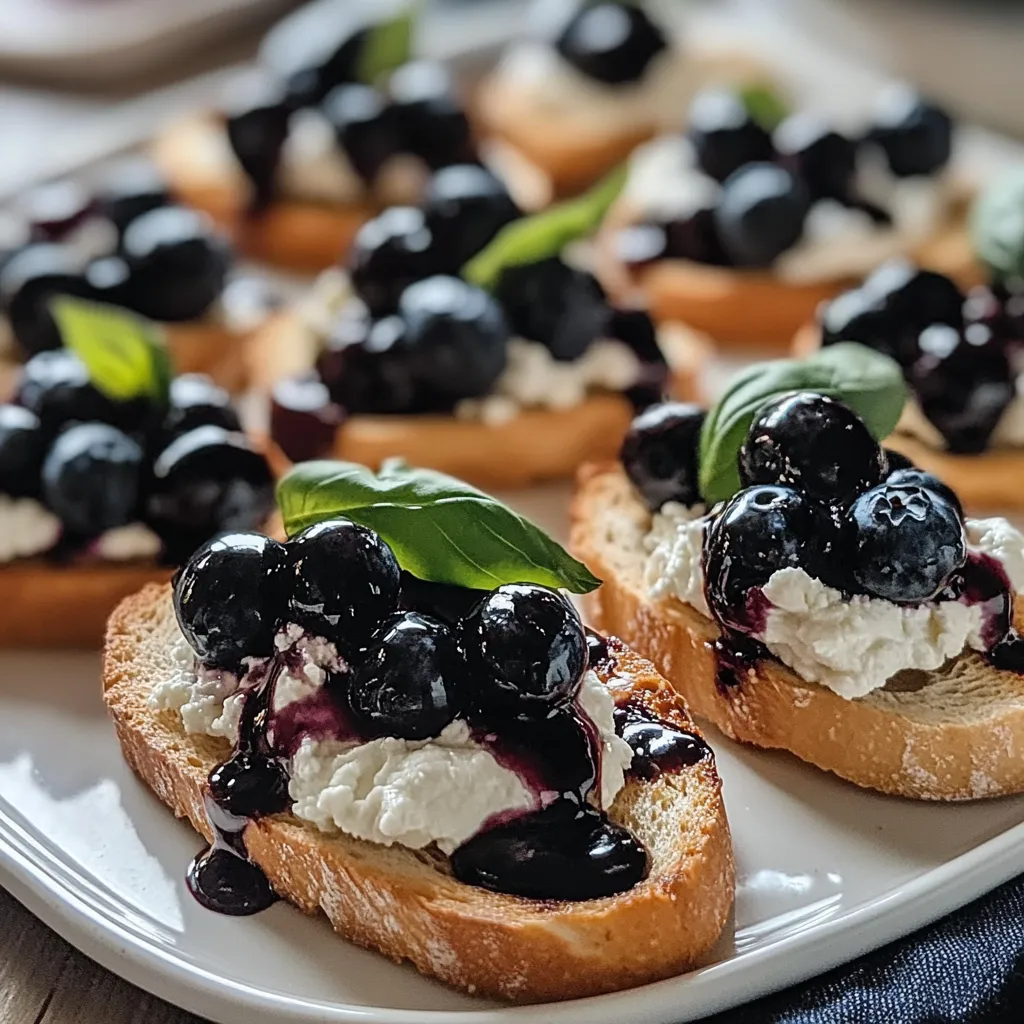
{"x":997,"y":225}
{"x":531,"y":239}
{"x":386,"y":46}
{"x":440,"y":529}
{"x":764,"y":105}
{"x":868,"y":382}
{"x":124,"y":353}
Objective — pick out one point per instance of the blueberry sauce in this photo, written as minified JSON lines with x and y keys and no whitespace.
{"x":657,"y":747}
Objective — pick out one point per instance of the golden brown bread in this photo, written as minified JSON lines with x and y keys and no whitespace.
{"x":956,"y":734}
{"x":405,"y":904}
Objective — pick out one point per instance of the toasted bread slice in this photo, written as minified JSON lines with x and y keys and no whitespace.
{"x":405,"y":904}
{"x":988,"y":480}
{"x":297,"y":235}
{"x":955,"y":734}
{"x":538,"y":444}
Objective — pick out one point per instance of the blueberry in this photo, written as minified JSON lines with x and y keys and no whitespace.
{"x":256,"y":113}
{"x":526,"y":649}
{"x":856,"y":315}
{"x":903,"y":542}
{"x":344,"y":582}
{"x":56,"y":387}
{"x":912,"y":477}
{"x":389,"y":253}
{"x":458,"y":339}
{"x":660,"y":453}
{"x":821,"y":156}
{"x":204,"y":482}
{"x":304,"y":418}
{"x":131,"y":188}
{"x":229,"y":598}
{"x":195,"y":401}
{"x":915,"y":135}
{"x":761,"y":214}
{"x":466,"y":206}
{"x":431,"y":121}
{"x":108,"y":280}
{"x":408,"y":684}
{"x":22,"y":448}
{"x":28,"y":281}
{"x":814,"y":443}
{"x":555,"y":304}
{"x":696,"y":237}
{"x":248,"y":785}
{"x":759,"y":531}
{"x":611,"y":42}
{"x":365,"y":125}
{"x":724,"y":135}
{"x":178,"y":263}
{"x":635,"y":329}
{"x":915,"y":297}
{"x":91,"y":478}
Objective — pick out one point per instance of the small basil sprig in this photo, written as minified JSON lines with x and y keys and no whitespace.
{"x":545,"y":234}
{"x":124,"y":353}
{"x":997,"y":225}
{"x":765,"y":105}
{"x":868,"y":382}
{"x":386,"y":45}
{"x":440,"y":529}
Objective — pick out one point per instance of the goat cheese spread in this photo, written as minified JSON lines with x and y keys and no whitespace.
{"x":26,"y":528}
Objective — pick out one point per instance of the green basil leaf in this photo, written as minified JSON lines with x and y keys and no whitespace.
{"x":764,"y":105}
{"x":997,"y":225}
{"x":124,"y":353}
{"x":440,"y":529}
{"x":545,"y":234}
{"x":868,"y":382}
{"x":387,"y":45}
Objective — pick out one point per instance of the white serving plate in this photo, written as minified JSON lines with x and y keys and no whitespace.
{"x":826,"y":872}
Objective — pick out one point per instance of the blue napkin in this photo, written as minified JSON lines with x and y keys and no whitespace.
{"x":967,"y":968}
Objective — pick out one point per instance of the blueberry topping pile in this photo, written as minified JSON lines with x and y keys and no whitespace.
{"x":610,"y":42}
{"x":770,"y":181}
{"x":128,"y":245}
{"x":509,"y":662}
{"x":660,"y":453}
{"x":959,"y":353}
{"x":184,"y":470}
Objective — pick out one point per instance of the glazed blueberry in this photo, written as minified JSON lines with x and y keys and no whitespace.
{"x":555,"y":304}
{"x":178,"y":263}
{"x":635,"y":329}
{"x":91,"y":478}
{"x":821,"y":156}
{"x":761,"y":530}
{"x":915,"y":296}
{"x":443,"y":601}
{"x":526,"y":649}
{"x":693,"y":236}
{"x":108,"y":279}
{"x":256,"y":113}
{"x":761,"y":214}
{"x":458,"y":339}
{"x":303,"y":417}
{"x":431,"y":121}
{"x":195,"y":401}
{"x":55,"y":209}
{"x":22,"y":448}
{"x":204,"y":482}
{"x":28,"y":280}
{"x":660,"y":451}
{"x":344,"y":582}
{"x":131,"y":188}
{"x":389,"y":253}
{"x":613,"y":43}
{"x":915,"y":135}
{"x":248,"y":785}
{"x":814,"y":443}
{"x":856,"y":315}
{"x":57,"y":388}
{"x":724,"y":135}
{"x":466,"y":206}
{"x":913,"y":477}
{"x":230,"y":597}
{"x":409,"y":681}
{"x":366,"y":127}
{"x":903,"y":542}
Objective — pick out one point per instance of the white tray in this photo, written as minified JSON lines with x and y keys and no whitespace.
{"x":826,"y":872}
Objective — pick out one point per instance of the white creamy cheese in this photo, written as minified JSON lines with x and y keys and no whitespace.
{"x":126,"y":543}
{"x":851,"y":646}
{"x":313,"y":166}
{"x":616,"y":754}
{"x":26,"y":528}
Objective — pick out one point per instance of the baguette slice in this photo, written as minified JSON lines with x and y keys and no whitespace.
{"x":405,"y":904}
{"x":955,"y":734}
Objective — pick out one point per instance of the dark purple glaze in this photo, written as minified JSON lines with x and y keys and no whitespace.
{"x":321,"y":716}
{"x":657,"y":747}
{"x":737,"y":655}
{"x":304,"y":418}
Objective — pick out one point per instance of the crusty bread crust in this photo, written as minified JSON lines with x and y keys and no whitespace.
{"x":405,"y":904}
{"x":539,"y":444}
{"x":956,"y":734}
{"x":989,"y":480}
{"x":301,"y":236}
